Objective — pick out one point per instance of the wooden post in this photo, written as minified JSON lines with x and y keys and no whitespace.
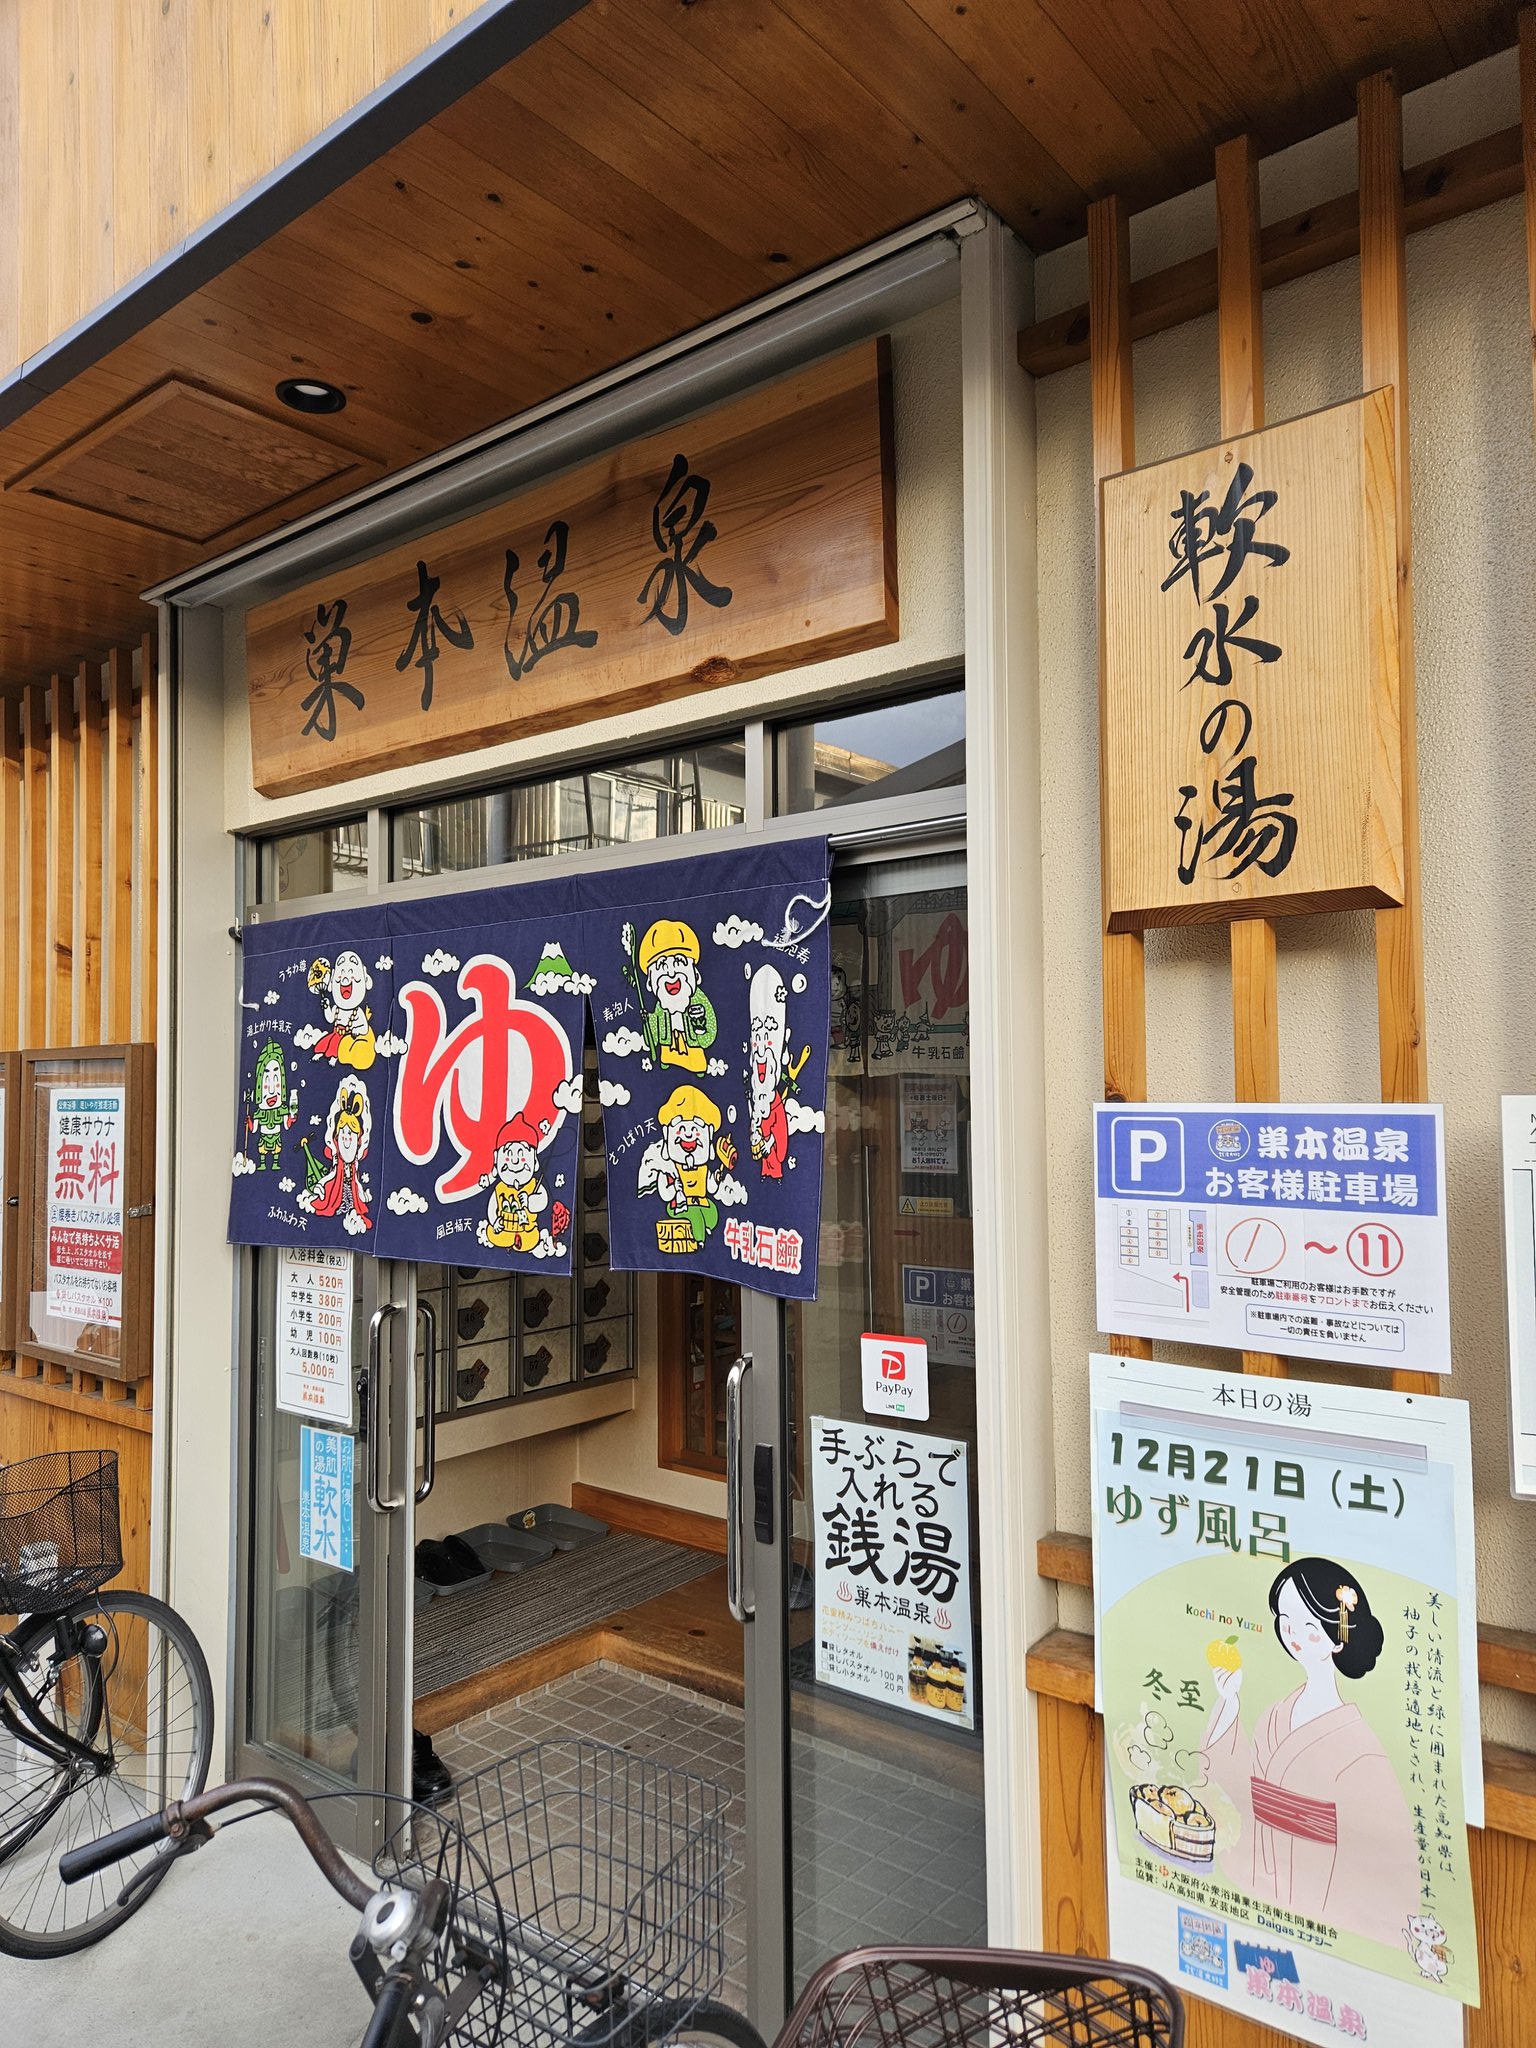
{"x":1384,"y":361}
{"x":1114,"y":449}
{"x":35,"y":898}
{"x":119,"y":857}
{"x":92,"y":792}
{"x":10,"y":874}
{"x":1240,"y":354}
{"x":60,"y":1026}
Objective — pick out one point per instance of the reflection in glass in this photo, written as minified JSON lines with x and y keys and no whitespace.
{"x":887,"y":1822}
{"x":700,"y":789}
{"x":321,"y":862}
{"x":882,"y":750}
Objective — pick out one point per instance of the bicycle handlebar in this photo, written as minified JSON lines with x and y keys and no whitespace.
{"x":76,"y":1864}
{"x":183,"y":1818}
{"x":389,"y":2010}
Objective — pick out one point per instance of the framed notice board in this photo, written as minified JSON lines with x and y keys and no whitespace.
{"x":10,"y":1184}
{"x":84,"y":1267}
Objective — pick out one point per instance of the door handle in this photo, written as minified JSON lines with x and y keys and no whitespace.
{"x":428,"y":1315}
{"x":733,"y":1499}
{"x":378,"y":1432}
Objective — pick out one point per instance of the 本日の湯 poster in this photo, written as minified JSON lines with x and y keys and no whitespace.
{"x":1285,"y":1637}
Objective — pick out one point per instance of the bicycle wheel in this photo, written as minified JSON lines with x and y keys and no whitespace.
{"x":707,"y":2024}
{"x":145,"y":1705}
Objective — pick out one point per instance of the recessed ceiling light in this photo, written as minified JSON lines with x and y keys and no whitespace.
{"x":308,"y":394}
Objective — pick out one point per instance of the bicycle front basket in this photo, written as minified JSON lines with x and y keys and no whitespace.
{"x":59,"y":1535}
{"x":609,"y":1870}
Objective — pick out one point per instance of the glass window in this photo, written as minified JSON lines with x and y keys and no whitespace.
{"x":881,"y":750}
{"x":320,"y":862}
{"x":623,"y":803}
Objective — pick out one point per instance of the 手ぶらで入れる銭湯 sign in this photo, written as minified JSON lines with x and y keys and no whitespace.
{"x":756,"y":538}
{"x":1252,"y":758}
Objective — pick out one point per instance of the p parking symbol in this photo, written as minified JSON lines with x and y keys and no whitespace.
{"x":1146,"y":1155}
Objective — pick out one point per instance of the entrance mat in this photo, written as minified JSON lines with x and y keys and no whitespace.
{"x":575,"y":1589}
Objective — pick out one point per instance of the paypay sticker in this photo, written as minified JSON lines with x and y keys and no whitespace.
{"x":895,"y":1376}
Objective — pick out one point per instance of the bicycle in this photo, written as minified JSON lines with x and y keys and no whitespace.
{"x":570,"y":1896}
{"x":106,"y":1706}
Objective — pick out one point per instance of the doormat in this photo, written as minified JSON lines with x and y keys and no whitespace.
{"x":523,"y":1611}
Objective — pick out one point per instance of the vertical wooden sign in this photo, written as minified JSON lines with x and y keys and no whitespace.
{"x":1252,"y":759}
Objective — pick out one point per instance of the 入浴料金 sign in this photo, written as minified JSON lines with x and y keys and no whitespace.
{"x":1251,"y":743}
{"x":753,"y":539}
{"x":1316,"y":1230}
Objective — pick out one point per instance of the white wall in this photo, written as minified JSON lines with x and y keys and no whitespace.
{"x":1474,"y":497}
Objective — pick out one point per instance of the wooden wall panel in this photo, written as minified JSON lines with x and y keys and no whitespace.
{"x":125,"y":126}
{"x":79,"y":823}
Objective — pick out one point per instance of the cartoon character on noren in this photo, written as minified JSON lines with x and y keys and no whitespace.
{"x":519,"y":1199}
{"x":687,"y":1166}
{"x":1325,"y":1828}
{"x":771,"y":1075}
{"x":271,"y":1105}
{"x":343,"y":991}
{"x":680,"y":1021}
{"x":341,"y":1189}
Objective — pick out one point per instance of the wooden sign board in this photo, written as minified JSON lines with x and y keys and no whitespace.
{"x":755,"y":538}
{"x":1251,"y":756}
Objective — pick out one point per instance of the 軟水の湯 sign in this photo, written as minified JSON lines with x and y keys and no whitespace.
{"x":1251,"y":745}
{"x":1286,"y":1658}
{"x":1316,"y":1230}
{"x":750,"y":540}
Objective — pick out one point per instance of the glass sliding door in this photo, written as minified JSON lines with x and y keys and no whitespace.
{"x":330,"y":1500}
{"x":887,"y":1824}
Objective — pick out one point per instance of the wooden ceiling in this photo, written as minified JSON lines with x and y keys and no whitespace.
{"x":649,"y":165}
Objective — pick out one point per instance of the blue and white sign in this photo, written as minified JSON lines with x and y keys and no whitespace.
{"x":325,"y":1496}
{"x":938,"y":1304}
{"x":1311,"y":1230}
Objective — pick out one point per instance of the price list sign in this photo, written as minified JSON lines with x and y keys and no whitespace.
{"x":314,"y":1333}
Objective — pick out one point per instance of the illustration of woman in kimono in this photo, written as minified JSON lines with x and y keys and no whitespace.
{"x":1325,"y":1826}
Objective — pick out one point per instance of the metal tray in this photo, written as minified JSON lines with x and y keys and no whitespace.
{"x":565,"y":1528}
{"x":426,"y":1593}
{"x":502,"y":1549}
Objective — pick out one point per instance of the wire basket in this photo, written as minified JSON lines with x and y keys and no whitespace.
{"x":608,"y":1872}
{"x":978,"y":1998}
{"x":59,"y":1536}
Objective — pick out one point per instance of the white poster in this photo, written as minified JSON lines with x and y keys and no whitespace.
{"x":893,"y":1568}
{"x":1519,"y":1119}
{"x":938,"y":1304}
{"x":1314,"y":1232}
{"x":930,"y":1124}
{"x":314,"y":1333}
{"x":1285,"y":1643}
{"x":87,"y":1160}
{"x":919,"y":1018}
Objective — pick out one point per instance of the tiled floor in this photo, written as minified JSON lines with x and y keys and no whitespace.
{"x":877,"y":1853}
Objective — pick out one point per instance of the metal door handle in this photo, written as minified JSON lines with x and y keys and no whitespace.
{"x":377,"y":1431}
{"x":428,"y":1315}
{"x":733,"y":1503}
